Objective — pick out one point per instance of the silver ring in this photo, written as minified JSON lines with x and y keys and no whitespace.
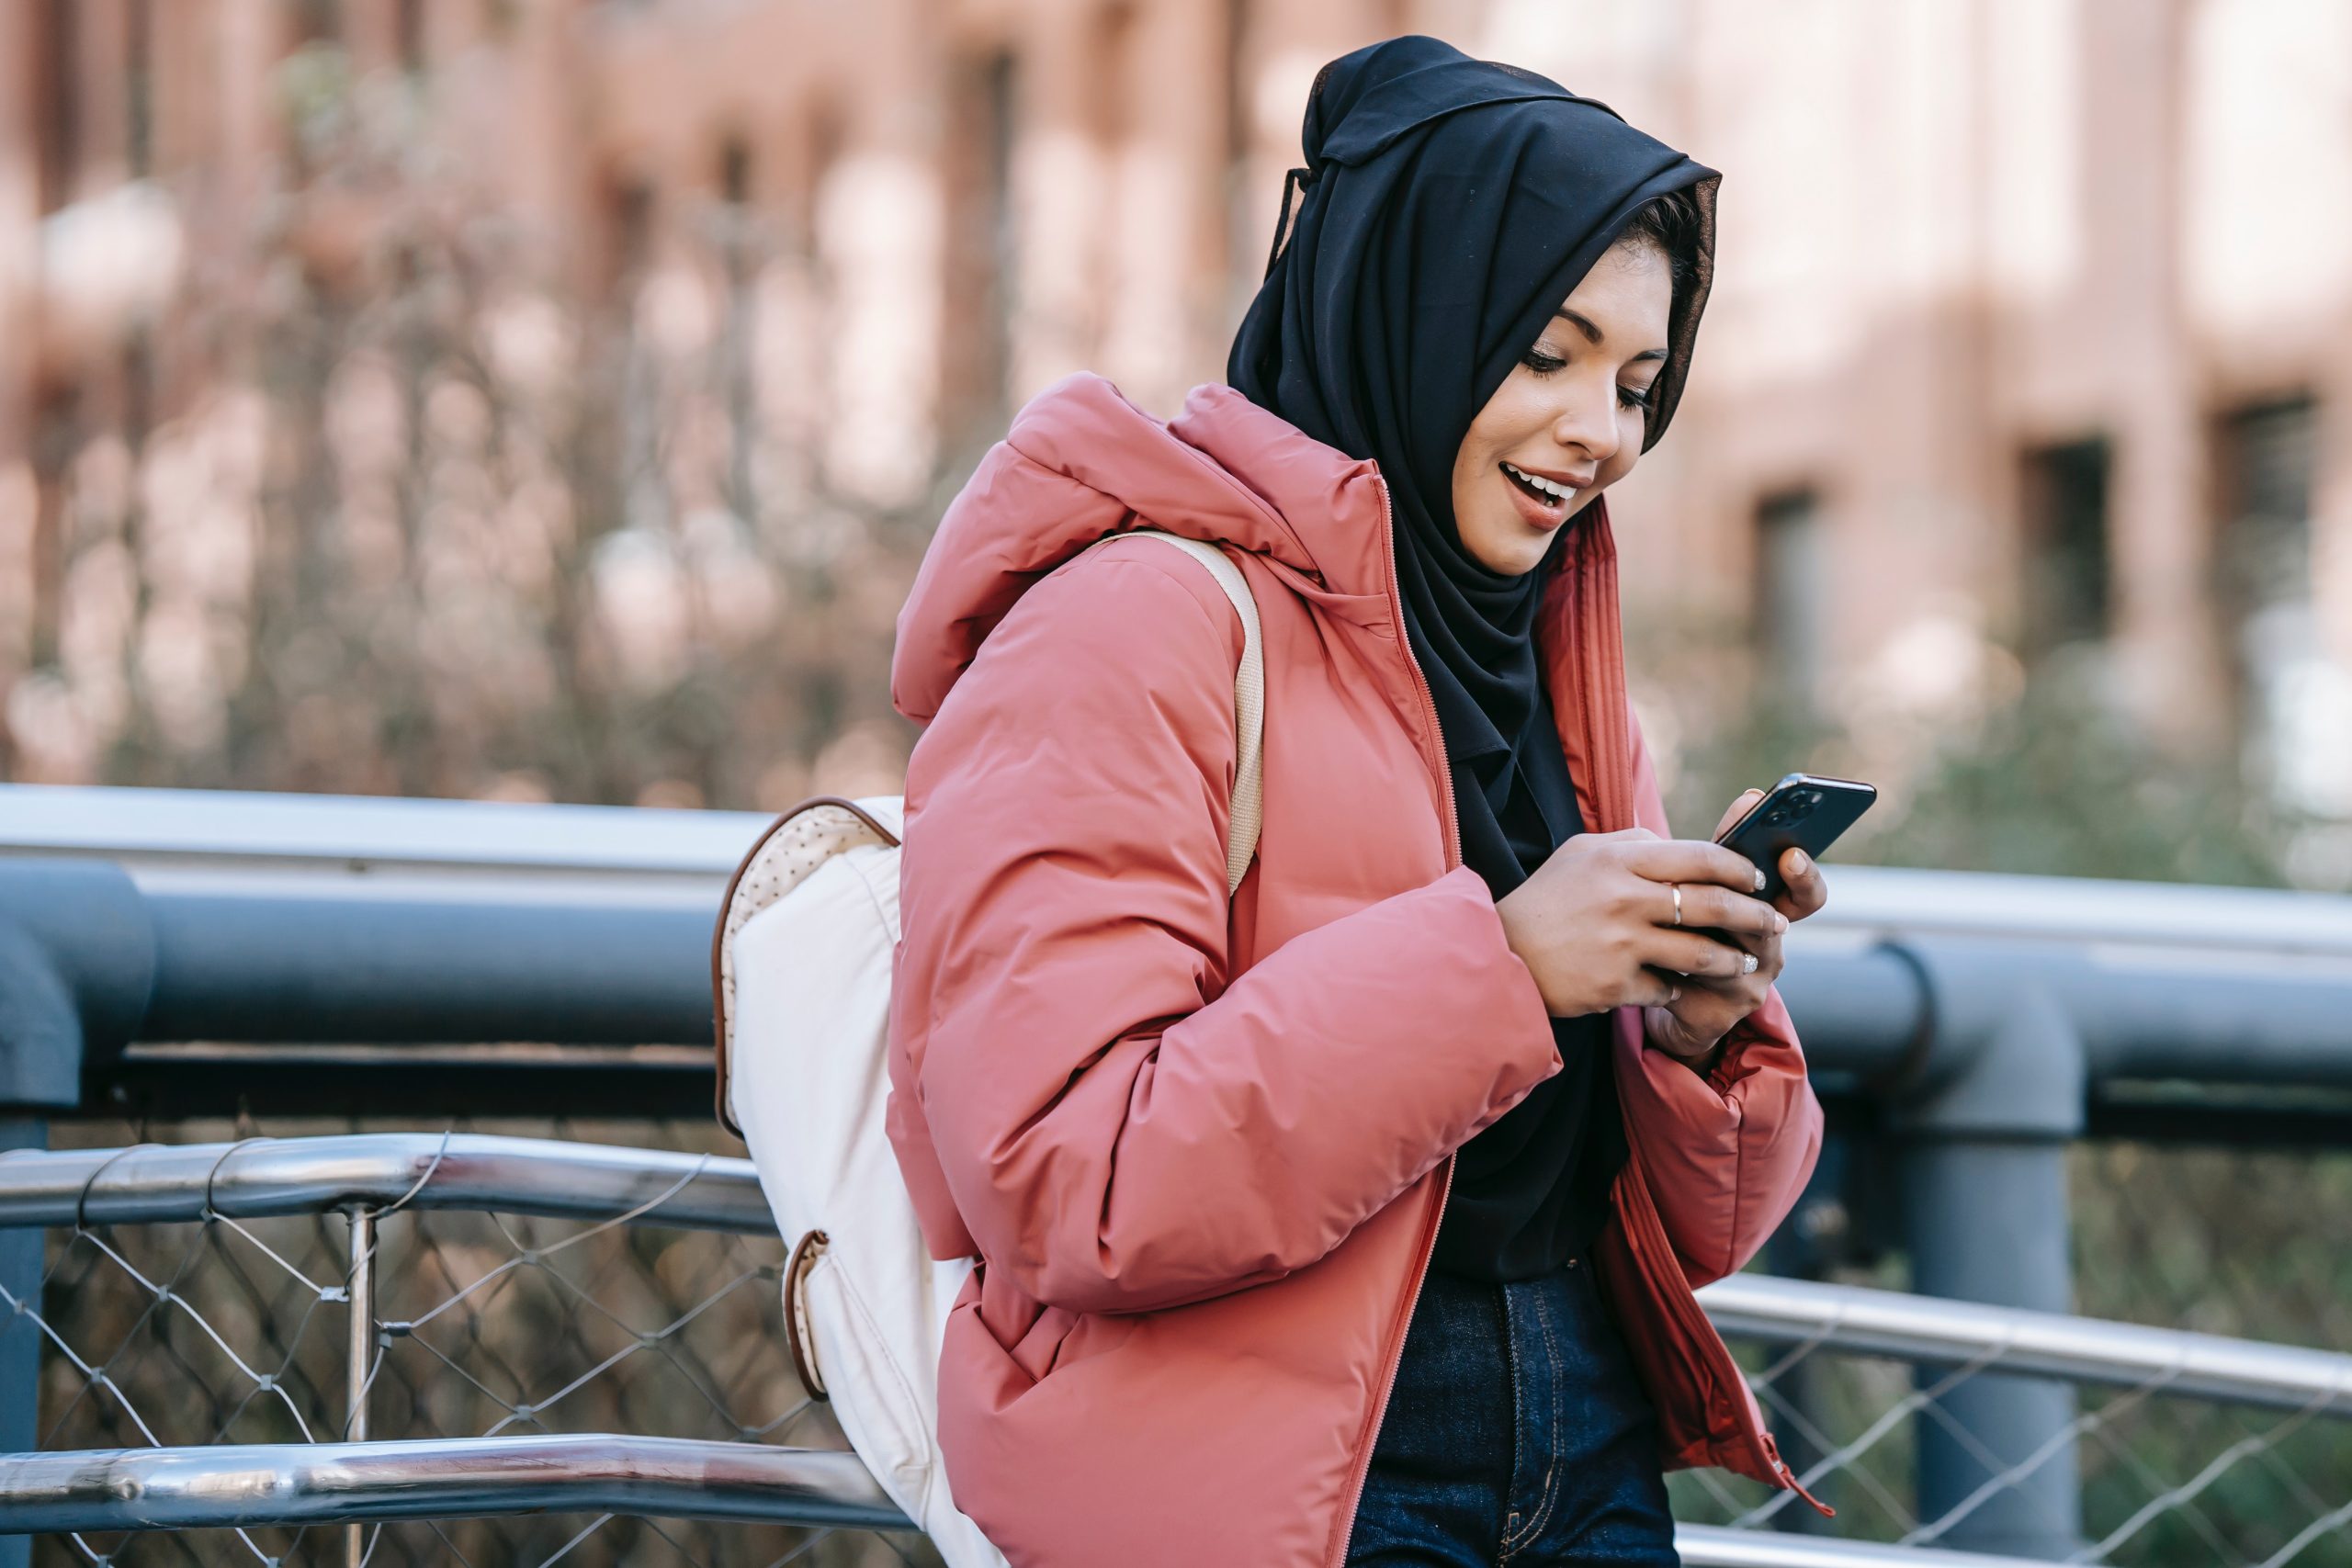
{"x":1677,"y":886}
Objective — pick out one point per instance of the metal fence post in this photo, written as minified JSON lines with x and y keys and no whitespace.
{"x":20,"y":1271}
{"x":359,"y":1368}
{"x":76,"y":960}
{"x":1984,"y":1132}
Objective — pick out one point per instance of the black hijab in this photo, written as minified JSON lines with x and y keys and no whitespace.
{"x":1448,"y":206}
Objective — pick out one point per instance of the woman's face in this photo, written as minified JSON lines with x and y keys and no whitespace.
{"x":1568,"y":421}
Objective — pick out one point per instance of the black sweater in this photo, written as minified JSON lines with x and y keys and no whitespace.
{"x":1532,"y":1191}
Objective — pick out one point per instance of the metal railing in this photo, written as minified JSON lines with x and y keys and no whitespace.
{"x":94,"y":1194}
{"x":286,"y":1483}
{"x":656,"y":1476}
{"x":208,"y":951}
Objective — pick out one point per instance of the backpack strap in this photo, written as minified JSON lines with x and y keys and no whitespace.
{"x":1249,"y":697}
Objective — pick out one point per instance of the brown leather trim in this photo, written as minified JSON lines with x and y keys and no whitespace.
{"x":889,"y":839}
{"x":803,"y":1258}
{"x":719,"y":936}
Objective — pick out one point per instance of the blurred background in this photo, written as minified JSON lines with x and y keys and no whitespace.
{"x":550,"y":400}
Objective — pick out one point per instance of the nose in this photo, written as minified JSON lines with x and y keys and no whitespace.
{"x":1588,"y":421}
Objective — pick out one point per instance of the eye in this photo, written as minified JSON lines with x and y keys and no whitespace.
{"x":1635,"y":397}
{"x":1542,"y":362}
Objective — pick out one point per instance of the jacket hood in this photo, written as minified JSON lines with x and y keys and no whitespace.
{"x":1081,"y":461}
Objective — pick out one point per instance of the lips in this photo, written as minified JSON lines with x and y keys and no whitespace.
{"x":1549,"y":487}
{"x":1539,"y":508}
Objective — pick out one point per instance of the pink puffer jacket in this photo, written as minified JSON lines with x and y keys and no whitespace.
{"x":1203,"y":1160}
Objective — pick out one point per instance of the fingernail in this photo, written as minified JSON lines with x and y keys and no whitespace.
{"x":1759,"y":879}
{"x":1750,"y":968}
{"x":1802,"y":864}
{"x":1780,"y":922}
{"x":1673,"y":995}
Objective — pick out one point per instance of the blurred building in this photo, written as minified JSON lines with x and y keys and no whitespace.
{"x":2030,"y":348}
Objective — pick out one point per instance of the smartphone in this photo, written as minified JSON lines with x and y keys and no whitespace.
{"x":1802,"y":811}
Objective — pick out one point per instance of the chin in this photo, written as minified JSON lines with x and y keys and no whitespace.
{"x":1511,"y":558}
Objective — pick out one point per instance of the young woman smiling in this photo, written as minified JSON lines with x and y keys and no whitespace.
{"x":1356,"y":1218}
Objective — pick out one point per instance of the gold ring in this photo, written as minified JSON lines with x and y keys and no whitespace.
{"x":1677,"y":886}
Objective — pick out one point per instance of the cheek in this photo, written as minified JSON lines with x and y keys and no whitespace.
{"x":1631,"y":429}
{"x":1503,"y":424}
{"x":1500,"y":426}
{"x":1520,"y":408}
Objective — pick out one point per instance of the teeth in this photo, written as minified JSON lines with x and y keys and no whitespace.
{"x":1558,"y":493}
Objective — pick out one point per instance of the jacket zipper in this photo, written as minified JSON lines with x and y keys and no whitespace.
{"x":1686,"y":1304}
{"x":1445,"y":1180}
{"x":1682,"y":1304}
{"x":1772,"y":1451}
{"x":1421,"y":681}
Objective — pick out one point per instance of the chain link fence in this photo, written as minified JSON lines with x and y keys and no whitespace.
{"x":2167,"y":1476}
{"x":2255,"y":1243}
{"x":2248,"y":1243}
{"x":235,"y":1330}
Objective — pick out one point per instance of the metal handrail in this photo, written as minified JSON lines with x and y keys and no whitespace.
{"x":1857,"y":1321}
{"x":347,"y":834}
{"x":297,"y":1484}
{"x":1711,"y":1546}
{"x":159,"y":1184}
{"x":163,"y":1184}
{"x":170,"y":916}
{"x":124,"y":1489}
{"x":170,"y":836}
{"x":153,"y":944}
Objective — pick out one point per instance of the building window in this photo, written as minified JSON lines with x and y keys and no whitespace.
{"x":1789,"y":594}
{"x":2265,"y":474}
{"x":2295,"y":714}
{"x":2067,"y":565}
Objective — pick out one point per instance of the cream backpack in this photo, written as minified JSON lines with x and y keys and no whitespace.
{"x":801,"y":976}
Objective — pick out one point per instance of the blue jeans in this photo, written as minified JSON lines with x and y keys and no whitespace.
{"x":1516,"y":1434}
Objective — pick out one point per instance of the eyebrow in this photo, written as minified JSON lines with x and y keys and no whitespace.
{"x":1595,"y":334}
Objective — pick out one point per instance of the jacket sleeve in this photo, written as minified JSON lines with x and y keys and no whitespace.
{"x":1727,"y":1154}
{"x":1123,"y":1125}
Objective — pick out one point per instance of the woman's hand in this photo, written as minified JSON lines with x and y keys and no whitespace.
{"x":1692,"y":1026}
{"x":1595,"y":923}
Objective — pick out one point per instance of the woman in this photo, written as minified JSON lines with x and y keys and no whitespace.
{"x":1355,"y":1221}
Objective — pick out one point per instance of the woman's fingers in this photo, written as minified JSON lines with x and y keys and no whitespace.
{"x":1691,"y":859}
{"x":1709,"y":908}
{"x":1739,"y":808}
{"x":1763,"y":946}
{"x":1808,"y":889}
{"x":1688,"y":953}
